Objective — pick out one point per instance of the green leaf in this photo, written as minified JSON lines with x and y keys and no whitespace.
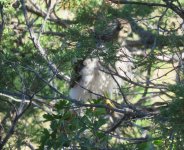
{"x":48,"y":117}
{"x":62,"y":104}
{"x":99,"y":111}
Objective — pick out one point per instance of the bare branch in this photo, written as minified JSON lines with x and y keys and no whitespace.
{"x":10,"y":132}
{"x":137,"y":3}
{"x":51,"y":33}
{"x":2,"y":21}
{"x":41,"y":49}
{"x":175,"y":8}
{"x":63,"y":23}
{"x":169,"y":4}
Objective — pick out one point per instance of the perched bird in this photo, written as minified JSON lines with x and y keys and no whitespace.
{"x":92,"y":78}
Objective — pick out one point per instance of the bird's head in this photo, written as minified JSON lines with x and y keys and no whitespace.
{"x":124,"y":30}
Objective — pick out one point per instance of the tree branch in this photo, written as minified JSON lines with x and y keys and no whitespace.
{"x":41,"y":50}
{"x":63,"y":23}
{"x":2,"y":21}
{"x":137,"y":3}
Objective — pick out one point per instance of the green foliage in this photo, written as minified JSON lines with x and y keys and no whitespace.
{"x":69,"y":129}
{"x":24,"y":72}
{"x":171,"y":119}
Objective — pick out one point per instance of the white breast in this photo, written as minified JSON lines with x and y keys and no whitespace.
{"x":94,"y":80}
